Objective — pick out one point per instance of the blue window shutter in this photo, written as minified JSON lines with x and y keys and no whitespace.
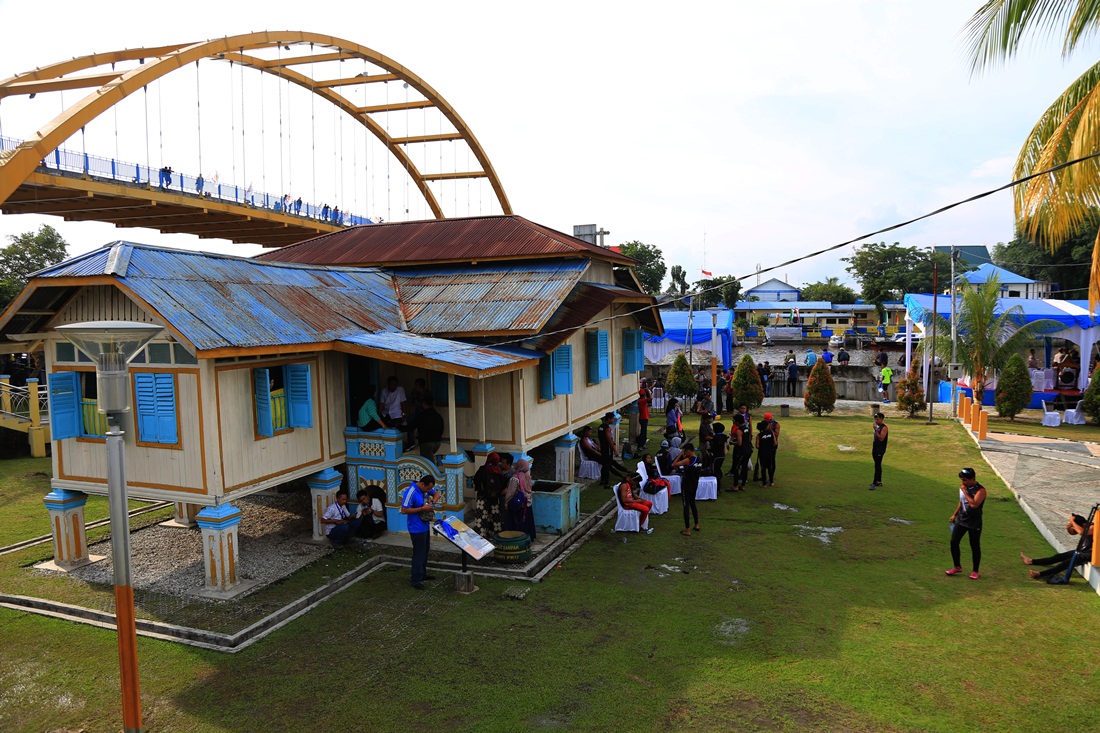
{"x":462,"y":390}
{"x":563,"y":370}
{"x":592,"y":356}
{"x":166,"y":409}
{"x":146,"y":408}
{"x":262,"y":386}
{"x":640,"y":351}
{"x":546,"y":377}
{"x":604,"y":355}
{"x":629,"y":341}
{"x":65,"y":415}
{"x":439,"y":387}
{"x":299,"y":396}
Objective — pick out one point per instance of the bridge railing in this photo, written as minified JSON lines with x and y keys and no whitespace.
{"x":28,"y":403}
{"x":94,"y":166}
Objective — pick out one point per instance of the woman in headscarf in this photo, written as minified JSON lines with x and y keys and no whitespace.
{"x":518,"y":500}
{"x":488,"y":485}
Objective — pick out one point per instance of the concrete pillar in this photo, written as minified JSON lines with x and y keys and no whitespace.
{"x":220,"y":555}
{"x":70,"y":543}
{"x":565,"y":458}
{"x":632,"y":418}
{"x":323,"y":486}
{"x":185,"y":514}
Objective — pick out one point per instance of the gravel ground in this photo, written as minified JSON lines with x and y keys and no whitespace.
{"x":169,"y":559}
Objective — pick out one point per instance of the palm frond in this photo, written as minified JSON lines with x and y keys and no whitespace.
{"x":996,"y":31}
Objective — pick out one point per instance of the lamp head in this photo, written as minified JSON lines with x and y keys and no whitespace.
{"x":111,"y":345}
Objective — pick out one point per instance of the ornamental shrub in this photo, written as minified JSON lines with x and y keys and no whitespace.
{"x":1092,"y":396}
{"x":747,"y":388}
{"x":680,"y":382}
{"x":1014,"y":388}
{"x":911,"y":394}
{"x":820,"y":389}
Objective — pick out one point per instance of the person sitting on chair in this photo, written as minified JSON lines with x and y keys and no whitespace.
{"x":1077,"y":526}
{"x":655,"y":484}
{"x":630,"y":501}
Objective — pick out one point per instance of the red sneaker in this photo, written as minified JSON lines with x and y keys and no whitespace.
{"x":953,"y":571}
{"x":974,"y":575}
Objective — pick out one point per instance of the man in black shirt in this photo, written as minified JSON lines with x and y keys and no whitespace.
{"x":429,"y":428}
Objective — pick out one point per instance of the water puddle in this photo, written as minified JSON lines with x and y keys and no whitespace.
{"x":825,"y":534}
{"x":732,"y":631}
{"x":899,"y":520}
{"x":784,"y":507}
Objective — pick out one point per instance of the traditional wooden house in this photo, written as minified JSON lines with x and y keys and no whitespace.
{"x":260,"y":372}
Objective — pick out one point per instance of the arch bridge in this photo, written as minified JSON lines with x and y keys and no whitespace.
{"x":38,"y":176}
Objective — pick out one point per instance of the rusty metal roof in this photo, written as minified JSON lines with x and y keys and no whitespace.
{"x":217,"y":301}
{"x":491,"y":299}
{"x":583,"y":304}
{"x":475,"y":239}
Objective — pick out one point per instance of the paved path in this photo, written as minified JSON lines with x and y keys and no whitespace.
{"x":1051,"y":478}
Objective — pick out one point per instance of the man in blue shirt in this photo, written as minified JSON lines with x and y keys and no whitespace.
{"x":827,"y":356}
{"x":811,"y":357}
{"x":415,"y":506}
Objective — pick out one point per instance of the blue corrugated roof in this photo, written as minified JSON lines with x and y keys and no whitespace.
{"x":988,"y":270}
{"x":1062,"y":311}
{"x":446,"y":351}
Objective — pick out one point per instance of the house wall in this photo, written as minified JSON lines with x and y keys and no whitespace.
{"x":599,"y":272}
{"x":546,"y":420}
{"x":248,"y":459}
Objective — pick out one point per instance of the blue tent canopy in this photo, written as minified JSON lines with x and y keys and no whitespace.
{"x":676,"y":330}
{"x":1067,"y":312}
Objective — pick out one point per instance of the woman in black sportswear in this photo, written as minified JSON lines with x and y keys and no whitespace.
{"x":689,"y":463}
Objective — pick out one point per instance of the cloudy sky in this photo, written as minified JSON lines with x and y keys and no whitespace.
{"x":765,"y":130}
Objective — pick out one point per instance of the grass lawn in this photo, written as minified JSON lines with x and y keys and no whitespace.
{"x":23,"y":484}
{"x":752,"y":624}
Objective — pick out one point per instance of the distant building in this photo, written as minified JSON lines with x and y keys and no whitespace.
{"x":1012,"y":285}
{"x":973,"y":255}
{"x":772,"y":290}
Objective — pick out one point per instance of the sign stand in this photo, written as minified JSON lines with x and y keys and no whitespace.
{"x":470,"y":543}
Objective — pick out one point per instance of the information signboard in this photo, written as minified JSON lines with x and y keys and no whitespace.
{"x":464,"y":538}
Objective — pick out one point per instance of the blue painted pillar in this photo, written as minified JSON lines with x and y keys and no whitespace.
{"x":70,"y":543}
{"x":1048,"y":348}
{"x":323,"y":486}
{"x":454,"y":492}
{"x":220,"y":554}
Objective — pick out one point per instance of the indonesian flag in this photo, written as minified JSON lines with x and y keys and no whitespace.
{"x":708,"y":274}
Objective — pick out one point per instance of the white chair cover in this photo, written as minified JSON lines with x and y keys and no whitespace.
{"x":1076,"y":415}
{"x":1048,"y":379}
{"x":658,"y":398}
{"x":1051,"y":418}
{"x":708,"y":489}
{"x":627,"y":520}
{"x":674,"y":482}
{"x":660,"y":499}
{"x":587,"y":469}
{"x":1038,"y":380}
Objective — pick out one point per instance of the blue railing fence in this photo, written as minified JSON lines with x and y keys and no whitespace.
{"x":72,"y":161}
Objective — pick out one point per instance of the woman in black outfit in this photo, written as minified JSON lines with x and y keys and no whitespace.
{"x":766,"y":443}
{"x":967,"y":519}
{"x":689,"y":463}
{"x":743,"y":430}
{"x":878,"y":447}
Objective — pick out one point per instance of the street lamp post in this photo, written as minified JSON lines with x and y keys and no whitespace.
{"x":111,"y":345}
{"x":714,"y":358}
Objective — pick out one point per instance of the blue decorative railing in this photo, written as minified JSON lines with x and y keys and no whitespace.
{"x":134,"y":173}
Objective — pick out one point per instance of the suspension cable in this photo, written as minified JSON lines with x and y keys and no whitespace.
{"x":148,"y":157}
{"x":160,"y":124}
{"x":198,"y":113}
{"x":389,"y":158}
{"x":279,"y":91}
{"x":233,"y":129}
{"x":263,"y":143}
{"x":244,"y":140}
{"x":313,"y":122}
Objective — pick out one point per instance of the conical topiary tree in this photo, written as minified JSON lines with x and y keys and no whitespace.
{"x":680,"y":382}
{"x":747,"y":389}
{"x":911,"y":394}
{"x":1092,"y":396}
{"x":820,"y":394}
{"x":1014,"y":388}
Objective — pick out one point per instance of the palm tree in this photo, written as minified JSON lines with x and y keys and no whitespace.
{"x":988,"y":333}
{"x":1050,"y":209}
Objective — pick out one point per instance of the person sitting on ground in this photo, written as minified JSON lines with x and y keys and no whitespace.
{"x":827,"y":356}
{"x":370,"y":507}
{"x":843,"y":357}
{"x":1077,"y":526}
{"x":629,"y":501}
{"x":340,"y":525}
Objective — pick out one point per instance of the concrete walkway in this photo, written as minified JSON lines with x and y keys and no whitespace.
{"x":1051,"y":478}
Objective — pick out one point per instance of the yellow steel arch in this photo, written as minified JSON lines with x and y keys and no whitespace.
{"x":19,"y":163}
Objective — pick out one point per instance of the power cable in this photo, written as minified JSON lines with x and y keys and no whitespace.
{"x":811,"y":255}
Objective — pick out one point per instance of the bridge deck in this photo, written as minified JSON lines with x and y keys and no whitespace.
{"x":77,"y":197}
